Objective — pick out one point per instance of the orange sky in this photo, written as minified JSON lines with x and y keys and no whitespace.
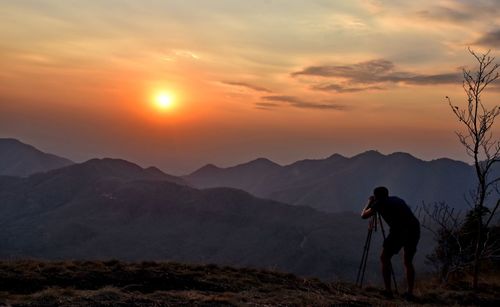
{"x":282,"y":79}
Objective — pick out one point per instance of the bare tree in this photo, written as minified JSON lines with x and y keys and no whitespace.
{"x":478,"y":120}
{"x":450,"y":255}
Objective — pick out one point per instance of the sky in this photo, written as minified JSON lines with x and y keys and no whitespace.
{"x":281,"y":79}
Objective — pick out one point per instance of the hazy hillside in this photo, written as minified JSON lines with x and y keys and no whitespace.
{"x":247,"y":176}
{"x":105,"y":209}
{"x":337,"y":183}
{"x":19,"y":159}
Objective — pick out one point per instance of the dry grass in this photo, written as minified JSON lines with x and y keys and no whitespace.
{"x":115,"y":283}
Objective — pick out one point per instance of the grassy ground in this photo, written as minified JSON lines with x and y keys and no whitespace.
{"x":114,"y":283}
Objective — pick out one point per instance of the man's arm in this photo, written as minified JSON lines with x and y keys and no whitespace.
{"x":368,"y":211}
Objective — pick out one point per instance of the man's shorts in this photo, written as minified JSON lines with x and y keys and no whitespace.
{"x":399,"y":238}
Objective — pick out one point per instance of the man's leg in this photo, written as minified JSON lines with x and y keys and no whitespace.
{"x":392,"y":245}
{"x":385,"y":259}
{"x":410,"y":270}
{"x":410,"y":249}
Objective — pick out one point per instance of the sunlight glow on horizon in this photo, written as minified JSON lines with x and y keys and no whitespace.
{"x":223,"y":81}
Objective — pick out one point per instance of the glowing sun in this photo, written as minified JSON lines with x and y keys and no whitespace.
{"x":164,"y":101}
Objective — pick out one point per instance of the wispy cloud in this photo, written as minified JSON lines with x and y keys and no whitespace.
{"x":490,"y":39}
{"x":247,"y":85}
{"x":371,"y":75}
{"x":446,"y":14}
{"x":266,"y":105}
{"x":175,"y":55}
{"x":363,"y":69}
{"x":459,"y":12}
{"x":340,"y":88}
{"x":278,"y":101}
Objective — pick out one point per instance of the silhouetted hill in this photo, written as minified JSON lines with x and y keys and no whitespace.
{"x":244,"y":176}
{"x":337,"y":183}
{"x":107,"y":208}
{"x":19,"y":159}
{"x":97,"y":169}
{"x":51,"y":190}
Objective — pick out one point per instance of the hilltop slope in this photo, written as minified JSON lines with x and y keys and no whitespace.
{"x":77,"y":283}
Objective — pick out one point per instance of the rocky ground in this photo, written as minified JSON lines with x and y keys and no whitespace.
{"x":114,"y":283}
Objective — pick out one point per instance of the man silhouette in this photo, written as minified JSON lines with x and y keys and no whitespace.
{"x":404,"y":233}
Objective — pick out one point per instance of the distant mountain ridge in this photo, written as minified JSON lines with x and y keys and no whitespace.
{"x":333,"y":184}
{"x":112,"y":208}
{"x":244,"y":176}
{"x":338,"y":183}
{"x":20,"y":159}
{"x":112,"y":168}
{"x":108,"y":208}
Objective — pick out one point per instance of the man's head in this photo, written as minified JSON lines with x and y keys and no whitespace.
{"x":381,"y":193}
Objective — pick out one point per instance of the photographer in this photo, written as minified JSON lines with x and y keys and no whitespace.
{"x":404,"y":233}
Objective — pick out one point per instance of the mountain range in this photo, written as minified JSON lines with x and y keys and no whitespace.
{"x":20,"y":159}
{"x":108,"y":208}
{"x":338,"y":183}
{"x":111,"y":208}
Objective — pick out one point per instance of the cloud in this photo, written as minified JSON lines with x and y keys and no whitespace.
{"x":339,"y":88}
{"x":446,"y":78}
{"x":460,"y":12}
{"x":266,"y":105}
{"x":363,"y":70}
{"x":298,"y":103}
{"x":446,"y":14}
{"x":175,"y":55}
{"x":371,"y":75}
{"x":490,"y":39}
{"x":249,"y":86}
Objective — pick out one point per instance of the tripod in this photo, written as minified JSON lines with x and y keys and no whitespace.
{"x":372,"y":226}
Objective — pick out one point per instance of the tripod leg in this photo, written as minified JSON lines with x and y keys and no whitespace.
{"x":362,"y":265}
{"x":362,"y":260}
{"x":366,"y":257}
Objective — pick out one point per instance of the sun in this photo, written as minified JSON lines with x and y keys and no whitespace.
{"x":164,"y":101}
